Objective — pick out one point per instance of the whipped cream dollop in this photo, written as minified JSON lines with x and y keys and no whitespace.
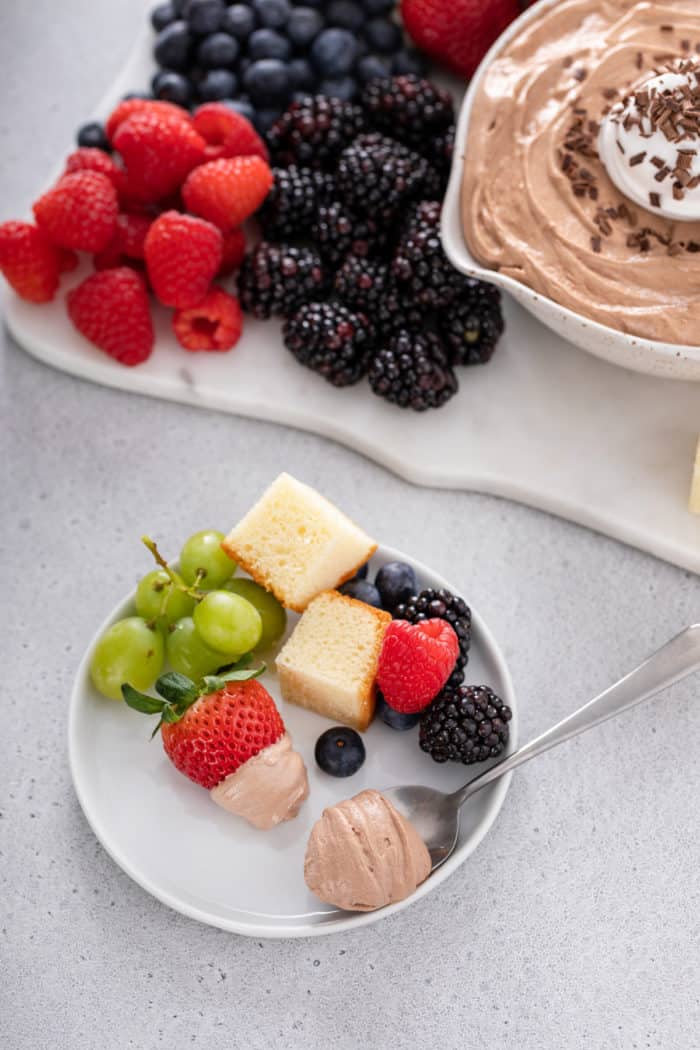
{"x":363,"y":854}
{"x":649,"y":143}
{"x":267,"y":789}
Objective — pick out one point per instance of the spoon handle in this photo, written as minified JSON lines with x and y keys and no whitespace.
{"x":675,"y":660}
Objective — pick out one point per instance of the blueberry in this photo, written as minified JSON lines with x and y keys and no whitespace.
{"x":265,"y":118}
{"x":363,"y":591}
{"x":268,"y":43}
{"x":361,"y":573}
{"x":395,"y":719}
{"x":333,"y":52}
{"x":408,"y":61}
{"x":180,"y":6}
{"x":382,"y":35}
{"x":242,"y":106}
{"x":373,"y":67}
{"x":239,"y":21}
{"x":243,"y":65}
{"x":396,"y":582}
{"x":136,"y":94}
{"x":272,"y":13}
{"x":303,"y":26}
{"x":172,"y":46}
{"x":162,"y":16}
{"x":218,"y":51}
{"x":378,"y":7}
{"x":93,"y":135}
{"x":204,"y":16}
{"x":317,"y":5}
{"x":339,"y":87}
{"x":339,"y":751}
{"x":302,"y":75}
{"x":217,"y":84}
{"x":346,"y":14}
{"x":172,"y":87}
{"x":268,"y":83}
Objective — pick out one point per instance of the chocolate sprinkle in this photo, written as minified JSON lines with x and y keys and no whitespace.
{"x":655,"y":200}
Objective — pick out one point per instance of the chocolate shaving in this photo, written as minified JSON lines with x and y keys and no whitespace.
{"x":596,"y":244}
{"x":636,"y":159}
{"x":655,"y":200}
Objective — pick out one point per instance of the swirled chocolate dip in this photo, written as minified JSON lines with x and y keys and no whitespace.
{"x":538,"y":202}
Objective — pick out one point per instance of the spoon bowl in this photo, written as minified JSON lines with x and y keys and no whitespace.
{"x":434,"y":815}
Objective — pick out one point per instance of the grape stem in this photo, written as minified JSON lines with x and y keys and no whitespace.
{"x":176,"y":581}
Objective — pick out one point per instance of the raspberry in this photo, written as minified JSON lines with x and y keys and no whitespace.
{"x":216,"y":324}
{"x":111,"y":310}
{"x":431,"y":603}
{"x":29,"y":261}
{"x":159,"y":151}
{"x":415,"y":662}
{"x":226,"y":192}
{"x":67,"y":260}
{"x":183,"y":255}
{"x":80,"y":211}
{"x":91,"y":159}
{"x":128,"y":107}
{"x":132,"y":230}
{"x":233,"y":252}
{"x":227,"y":133}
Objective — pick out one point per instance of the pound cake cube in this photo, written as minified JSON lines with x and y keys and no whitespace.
{"x":329,"y":663}
{"x":694,"y":503}
{"x":295,"y":543}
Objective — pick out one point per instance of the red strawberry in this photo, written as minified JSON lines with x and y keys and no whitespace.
{"x":209,"y":735}
{"x":111,"y":310}
{"x":458,"y":33}
{"x":415,"y":662}
{"x":226,"y":192}
{"x":29,"y":261}
{"x":216,"y":324}
{"x":159,"y":150}
{"x":233,"y":252}
{"x":183,"y":255}
{"x":227,"y":133}
{"x":130,"y":106}
{"x":80,"y":211}
{"x":89,"y":159}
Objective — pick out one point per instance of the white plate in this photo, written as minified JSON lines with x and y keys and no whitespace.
{"x":168,"y":836}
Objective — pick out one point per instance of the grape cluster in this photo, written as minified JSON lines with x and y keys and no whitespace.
{"x":198,"y":619}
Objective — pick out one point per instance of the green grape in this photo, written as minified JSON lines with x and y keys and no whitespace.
{"x":203,"y":551}
{"x":272,"y":614}
{"x":188,"y":654}
{"x":228,"y":623}
{"x":129,"y":651}
{"x":156,"y":597}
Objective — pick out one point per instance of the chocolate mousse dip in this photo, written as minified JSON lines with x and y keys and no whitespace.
{"x":537,"y":202}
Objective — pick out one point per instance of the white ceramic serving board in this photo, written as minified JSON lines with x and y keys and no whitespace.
{"x":544,"y":423}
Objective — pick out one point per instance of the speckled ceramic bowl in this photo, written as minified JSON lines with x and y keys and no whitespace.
{"x":665,"y":360}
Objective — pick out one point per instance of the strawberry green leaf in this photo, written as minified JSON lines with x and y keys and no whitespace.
{"x":170,"y":715}
{"x":148,"y":705}
{"x":212,"y":683}
{"x":177,"y":689}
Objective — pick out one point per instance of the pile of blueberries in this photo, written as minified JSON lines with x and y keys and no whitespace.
{"x":263,"y":54}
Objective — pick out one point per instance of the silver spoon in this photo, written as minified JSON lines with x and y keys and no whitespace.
{"x":435,"y":815}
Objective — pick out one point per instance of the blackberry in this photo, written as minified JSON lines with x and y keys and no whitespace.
{"x":314,"y":131}
{"x":377,"y":176}
{"x":291,"y":205}
{"x":361,"y":283}
{"x":408,"y":108}
{"x":474,"y":323}
{"x":440,"y":150}
{"x":466,"y":723}
{"x":413,"y":372}
{"x":278,"y":278}
{"x":337,"y":232}
{"x":331,"y":340}
{"x":395,"y":313}
{"x":421,"y":269}
{"x":442,"y":604}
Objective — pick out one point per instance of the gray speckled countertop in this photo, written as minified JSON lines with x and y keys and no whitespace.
{"x":575,"y":924}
